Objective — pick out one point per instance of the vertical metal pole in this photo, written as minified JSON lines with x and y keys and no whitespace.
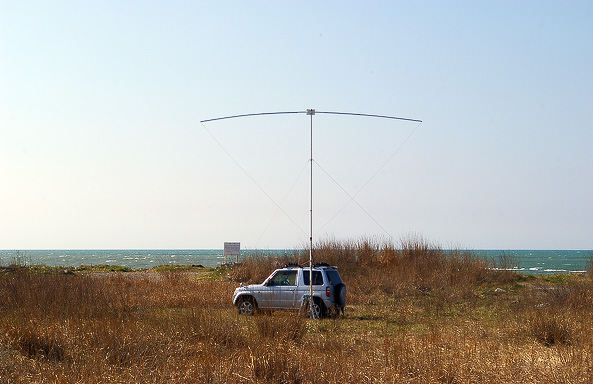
{"x":311,"y":112}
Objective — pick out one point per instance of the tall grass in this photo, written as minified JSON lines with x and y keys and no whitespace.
{"x":415,"y":314}
{"x":370,"y":265}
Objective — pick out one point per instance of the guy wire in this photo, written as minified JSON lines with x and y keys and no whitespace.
{"x":352,"y":198}
{"x":248,"y":175}
{"x":281,"y":203}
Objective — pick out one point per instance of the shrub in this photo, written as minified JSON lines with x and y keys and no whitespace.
{"x":549,"y":327}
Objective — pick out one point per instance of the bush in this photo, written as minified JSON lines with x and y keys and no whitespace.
{"x":549,"y":327}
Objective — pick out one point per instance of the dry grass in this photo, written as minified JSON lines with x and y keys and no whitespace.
{"x":416,"y":314}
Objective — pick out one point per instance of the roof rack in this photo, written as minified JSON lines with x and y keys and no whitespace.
{"x":321,"y":265}
{"x":316,"y":265}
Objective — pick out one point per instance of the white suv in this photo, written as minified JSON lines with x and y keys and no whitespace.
{"x":288,"y":288}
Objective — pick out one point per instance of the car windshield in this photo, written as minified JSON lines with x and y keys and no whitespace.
{"x":317,"y":277}
{"x":334,"y":277}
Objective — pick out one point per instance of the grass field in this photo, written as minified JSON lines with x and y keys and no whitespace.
{"x":415,"y":314}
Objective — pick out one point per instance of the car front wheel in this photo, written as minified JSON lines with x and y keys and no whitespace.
{"x":246,"y":306}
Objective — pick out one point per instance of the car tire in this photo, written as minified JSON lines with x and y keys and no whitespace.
{"x":246,"y":306}
{"x":318,"y":309}
{"x":340,"y":295}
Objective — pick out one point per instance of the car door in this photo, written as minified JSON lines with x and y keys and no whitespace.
{"x":279,"y":289}
{"x":268,"y":295}
{"x":287,"y":290}
{"x":317,"y":281}
{"x":282,"y":288}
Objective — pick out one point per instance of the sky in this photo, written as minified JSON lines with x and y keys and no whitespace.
{"x":102,"y":145}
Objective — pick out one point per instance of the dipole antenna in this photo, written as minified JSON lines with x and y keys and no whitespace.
{"x":310,"y":112}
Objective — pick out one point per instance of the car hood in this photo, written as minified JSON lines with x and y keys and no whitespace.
{"x":249,"y":287}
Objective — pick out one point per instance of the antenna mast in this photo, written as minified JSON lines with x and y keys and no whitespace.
{"x":311,"y":112}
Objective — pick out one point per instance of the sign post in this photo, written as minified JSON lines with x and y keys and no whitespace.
{"x":232,"y":249}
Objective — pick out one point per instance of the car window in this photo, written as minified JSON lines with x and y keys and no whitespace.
{"x":284,"y":278}
{"x":317,"y":277}
{"x":334,"y":277}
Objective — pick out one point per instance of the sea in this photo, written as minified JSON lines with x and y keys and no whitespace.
{"x":523,"y":261}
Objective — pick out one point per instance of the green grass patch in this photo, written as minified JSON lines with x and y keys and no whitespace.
{"x":102,"y":268}
{"x":179,"y":268}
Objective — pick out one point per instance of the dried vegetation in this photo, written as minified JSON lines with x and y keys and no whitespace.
{"x":416,"y":314}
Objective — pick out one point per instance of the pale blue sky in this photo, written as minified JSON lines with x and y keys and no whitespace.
{"x":101,"y":144}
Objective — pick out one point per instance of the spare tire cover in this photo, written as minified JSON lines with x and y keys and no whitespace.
{"x":340,"y":294}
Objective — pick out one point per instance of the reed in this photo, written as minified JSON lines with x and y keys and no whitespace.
{"x":416,"y":314}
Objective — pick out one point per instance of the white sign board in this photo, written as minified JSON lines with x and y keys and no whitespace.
{"x":232,"y":249}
